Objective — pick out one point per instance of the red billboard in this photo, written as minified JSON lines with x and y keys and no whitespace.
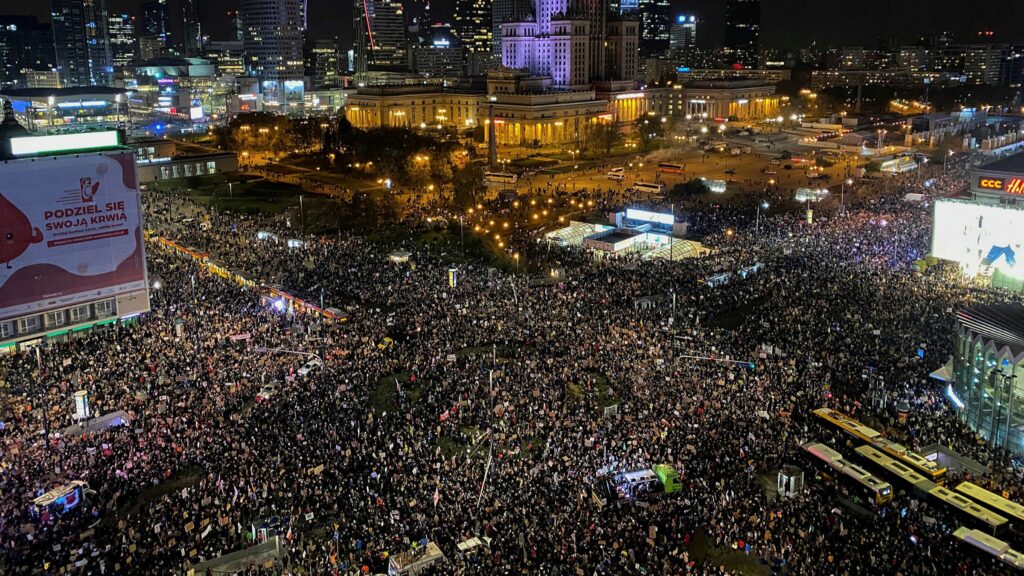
{"x":70,"y":232}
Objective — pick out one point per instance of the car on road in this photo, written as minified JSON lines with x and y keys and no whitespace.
{"x":309,"y":367}
{"x":730,"y":171}
{"x":266,"y":392}
{"x":769,"y":171}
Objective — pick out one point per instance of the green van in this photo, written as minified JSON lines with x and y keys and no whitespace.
{"x":669,"y":478}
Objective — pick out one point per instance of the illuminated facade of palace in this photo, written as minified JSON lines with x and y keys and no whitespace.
{"x":525,"y":109}
{"x":566,"y":65}
{"x":738,"y":99}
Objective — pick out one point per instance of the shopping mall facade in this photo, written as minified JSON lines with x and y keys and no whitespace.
{"x":987,"y":383}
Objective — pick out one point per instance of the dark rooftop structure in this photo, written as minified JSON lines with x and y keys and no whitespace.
{"x":615,"y":237}
{"x":62,"y":92}
{"x":1014,"y":164}
{"x":9,"y":128}
{"x":1003,"y":324}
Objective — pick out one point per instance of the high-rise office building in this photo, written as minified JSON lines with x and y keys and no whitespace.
{"x":25,"y":44}
{"x":742,"y":32}
{"x":683,"y":33}
{"x":273,"y":49}
{"x":151,"y":47}
{"x":1013,"y":67}
{"x":227,"y":57}
{"x":154,"y":21}
{"x":440,"y":58}
{"x":324,"y":61}
{"x":123,"y":48}
{"x":236,"y":22}
{"x":192,"y":31}
{"x":654,"y":26}
{"x":97,"y":43}
{"x":473,"y":28}
{"x":81,"y":42}
{"x":380,"y":36}
{"x":503,"y":11}
{"x":68,"y":20}
{"x":623,"y":6}
{"x":983,"y":63}
{"x":914,"y":58}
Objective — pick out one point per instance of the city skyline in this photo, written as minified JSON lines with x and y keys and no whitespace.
{"x":785,"y":23}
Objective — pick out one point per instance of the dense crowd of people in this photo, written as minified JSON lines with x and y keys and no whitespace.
{"x":481,"y":410}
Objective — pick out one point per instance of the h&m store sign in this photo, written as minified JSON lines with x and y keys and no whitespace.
{"x":1007,"y":185}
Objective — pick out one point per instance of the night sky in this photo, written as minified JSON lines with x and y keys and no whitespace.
{"x":785,"y":23}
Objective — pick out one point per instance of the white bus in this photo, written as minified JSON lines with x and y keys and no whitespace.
{"x":649,"y":187}
{"x":671,"y":168}
{"x":500,"y":178}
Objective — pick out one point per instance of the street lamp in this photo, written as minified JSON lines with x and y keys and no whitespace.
{"x":842,"y":195}
{"x":762,"y":206}
{"x":516,"y":258}
{"x":323,"y":365}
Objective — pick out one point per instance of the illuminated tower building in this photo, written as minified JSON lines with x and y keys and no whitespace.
{"x":742,"y":32}
{"x":654,"y":26}
{"x":683,"y":33}
{"x":503,"y":11}
{"x":273,"y":49}
{"x":192,"y":43}
{"x":121,"y":29}
{"x":572,"y":42}
{"x":473,"y":28}
{"x":381,"y":42}
{"x":154,"y":22}
{"x":81,"y":42}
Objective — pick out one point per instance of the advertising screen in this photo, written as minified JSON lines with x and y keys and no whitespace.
{"x":977,"y":235}
{"x":70,"y":232}
{"x":645,"y":216}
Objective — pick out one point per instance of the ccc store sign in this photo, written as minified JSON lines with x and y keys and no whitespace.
{"x":990,"y":183}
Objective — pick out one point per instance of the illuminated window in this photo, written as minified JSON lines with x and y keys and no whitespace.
{"x":105,"y":308}
{"x":55,"y":318}
{"x":29,"y":325}
{"x":80,"y":313}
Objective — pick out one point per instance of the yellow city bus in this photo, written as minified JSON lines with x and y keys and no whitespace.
{"x":996,"y":503}
{"x":992,"y":501}
{"x":990,"y":545}
{"x":931,"y":470}
{"x":903,"y":473}
{"x":831,"y":464}
{"x":992,"y":523}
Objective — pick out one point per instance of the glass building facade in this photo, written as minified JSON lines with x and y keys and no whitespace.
{"x":988,"y":374}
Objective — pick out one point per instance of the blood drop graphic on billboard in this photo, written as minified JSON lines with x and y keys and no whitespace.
{"x":70,"y":232}
{"x":16,"y":232}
